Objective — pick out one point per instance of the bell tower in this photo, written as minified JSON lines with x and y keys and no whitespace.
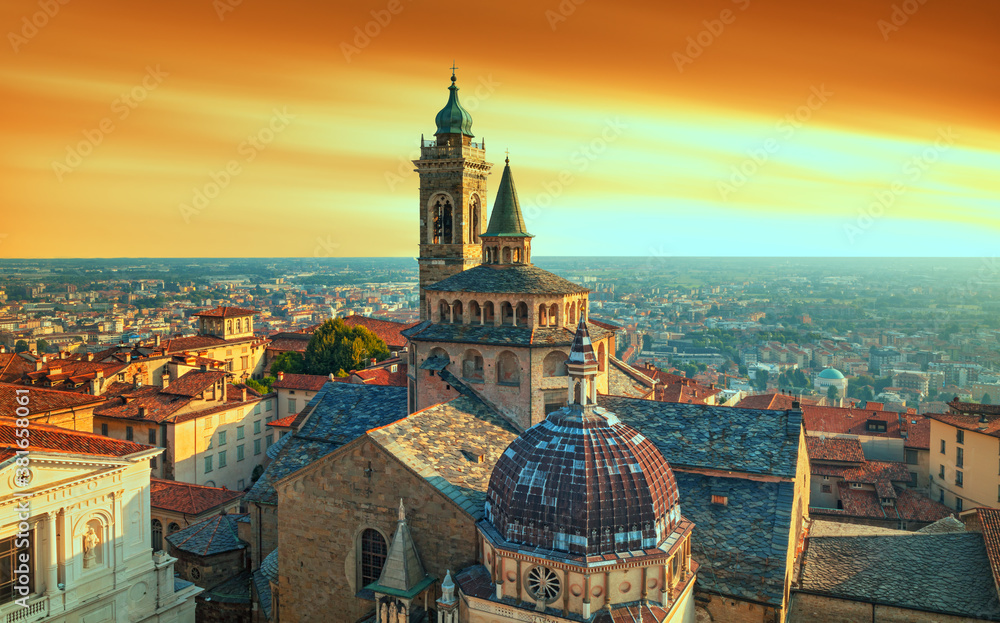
{"x":453,"y":172}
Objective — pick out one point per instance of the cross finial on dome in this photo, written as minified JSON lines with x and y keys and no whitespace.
{"x":453,"y":68}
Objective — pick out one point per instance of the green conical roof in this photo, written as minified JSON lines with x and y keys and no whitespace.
{"x":506,"y":219}
{"x":453,"y":119}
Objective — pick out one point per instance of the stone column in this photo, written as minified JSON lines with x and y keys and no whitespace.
{"x":51,"y":554}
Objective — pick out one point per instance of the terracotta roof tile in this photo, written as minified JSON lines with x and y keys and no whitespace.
{"x":304,"y":382}
{"x":225,"y":312}
{"x":54,"y":439}
{"x":187,"y":498}
{"x":821,"y":449}
{"x":386,"y":330}
{"x":855,"y":421}
{"x":989,"y":519}
{"x":41,"y":400}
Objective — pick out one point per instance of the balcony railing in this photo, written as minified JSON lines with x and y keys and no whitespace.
{"x":36,"y":610}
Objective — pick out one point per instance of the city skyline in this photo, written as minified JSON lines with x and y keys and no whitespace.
{"x":771,"y":129}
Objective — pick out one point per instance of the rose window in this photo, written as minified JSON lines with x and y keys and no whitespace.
{"x":543,"y":584}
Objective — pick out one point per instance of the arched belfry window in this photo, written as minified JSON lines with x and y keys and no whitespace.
{"x":474,"y":220}
{"x":157,"y":535}
{"x":372,"y":558}
{"x":441,"y":221}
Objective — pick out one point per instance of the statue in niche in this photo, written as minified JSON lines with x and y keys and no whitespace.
{"x":90,"y":543}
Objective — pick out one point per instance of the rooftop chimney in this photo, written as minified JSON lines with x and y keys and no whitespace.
{"x":128,"y":357}
{"x":156,"y":340}
{"x":204,"y":367}
{"x":332,"y":376}
{"x":243,"y":394}
{"x":165,"y":377}
{"x":281,"y":376}
{"x":90,"y":356}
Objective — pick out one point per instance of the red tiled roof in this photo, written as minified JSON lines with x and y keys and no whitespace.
{"x":13,"y":366}
{"x":194,"y":382}
{"x":387,"y":330}
{"x":186,"y":498}
{"x":847,"y":450}
{"x":969,"y":421}
{"x":45,"y":438}
{"x":195,"y":342}
{"x":284,"y":344}
{"x":989,"y":519}
{"x":285,"y":422}
{"x":775,"y":401}
{"x":909,"y":506}
{"x":305,"y":382}
{"x":382,"y":376}
{"x":41,"y":400}
{"x":869,"y":472}
{"x":125,"y":401}
{"x":855,"y":421}
{"x":226,"y":312}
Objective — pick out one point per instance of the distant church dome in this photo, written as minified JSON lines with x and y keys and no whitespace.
{"x":831,"y":373}
{"x":453,"y":119}
{"x":583,"y":482}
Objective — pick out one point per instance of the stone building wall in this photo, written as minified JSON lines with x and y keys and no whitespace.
{"x":808,"y":608}
{"x":334,"y":501}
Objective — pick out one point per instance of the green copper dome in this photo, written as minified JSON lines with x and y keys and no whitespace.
{"x":831,"y":373}
{"x":506,"y":219}
{"x":453,"y":119}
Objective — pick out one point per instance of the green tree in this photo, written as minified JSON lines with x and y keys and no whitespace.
{"x":42,"y":346}
{"x":337,"y":348}
{"x":760,"y":381}
{"x":288,"y":362}
{"x":21,"y":346}
{"x":262,"y":386}
{"x":986,"y":400}
{"x":832,"y":393}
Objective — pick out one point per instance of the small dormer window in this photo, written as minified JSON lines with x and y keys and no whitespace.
{"x":722,"y":500}
{"x":393,"y":368}
{"x":887,"y":502}
{"x":876,"y":426}
{"x":856,"y":485}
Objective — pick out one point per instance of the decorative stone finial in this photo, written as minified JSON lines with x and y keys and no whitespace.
{"x":402,"y":510}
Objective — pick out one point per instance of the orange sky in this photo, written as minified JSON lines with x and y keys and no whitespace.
{"x":899,"y":157}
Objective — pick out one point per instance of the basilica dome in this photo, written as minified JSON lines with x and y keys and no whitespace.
{"x":583,"y":482}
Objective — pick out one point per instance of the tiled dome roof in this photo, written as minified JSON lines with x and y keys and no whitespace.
{"x":584,"y":483}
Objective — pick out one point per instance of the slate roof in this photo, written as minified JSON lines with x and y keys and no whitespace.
{"x":755,"y":441}
{"x":444,"y":443}
{"x":583,"y":482}
{"x":215,"y":535}
{"x":500,"y":335}
{"x":234,"y":590}
{"x":741,"y":546}
{"x":338,"y":414}
{"x":909,"y":506}
{"x":943,"y":573}
{"x":187,"y":498}
{"x":507,"y":279}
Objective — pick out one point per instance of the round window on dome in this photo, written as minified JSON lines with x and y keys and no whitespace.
{"x":543,"y":584}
